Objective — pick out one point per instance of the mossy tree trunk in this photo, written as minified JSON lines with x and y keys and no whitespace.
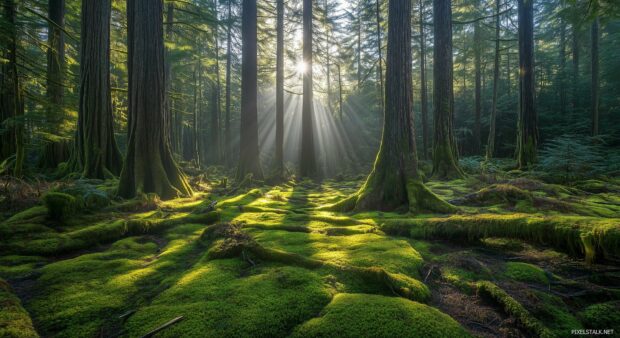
{"x":595,"y":78}
{"x":423,"y":90}
{"x":11,"y":103}
{"x":394,"y":183}
{"x":445,"y":153}
{"x":55,"y":64}
{"x":149,"y":166}
{"x":527,"y":129}
{"x":96,"y":150}
{"x":249,"y":159}
{"x":307,"y":163}
{"x":279,"y":165}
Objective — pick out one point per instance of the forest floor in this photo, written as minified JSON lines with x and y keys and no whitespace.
{"x":521,"y":258}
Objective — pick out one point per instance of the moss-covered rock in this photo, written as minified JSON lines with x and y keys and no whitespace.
{"x":59,"y":205}
{"x":363,"y":315}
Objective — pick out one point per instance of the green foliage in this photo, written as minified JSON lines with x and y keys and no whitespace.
{"x":59,"y":205}
{"x":363,"y":315}
{"x":568,"y":158}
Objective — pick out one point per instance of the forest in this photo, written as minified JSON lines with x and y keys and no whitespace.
{"x":309,"y":168}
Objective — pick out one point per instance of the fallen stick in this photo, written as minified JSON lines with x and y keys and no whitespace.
{"x":163,"y":327}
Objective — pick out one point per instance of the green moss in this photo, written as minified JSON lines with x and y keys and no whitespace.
{"x":14,"y":320}
{"x":524,"y":272}
{"x":59,"y":205}
{"x":601,"y":316}
{"x":363,"y":315}
{"x":592,"y":238}
{"x":513,"y":308}
{"x":552,"y":311}
{"x":218,"y":299}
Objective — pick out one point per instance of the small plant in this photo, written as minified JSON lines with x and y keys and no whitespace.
{"x":59,"y":205}
{"x":570,"y":157}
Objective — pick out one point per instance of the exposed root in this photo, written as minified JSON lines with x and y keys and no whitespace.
{"x":227,"y":241}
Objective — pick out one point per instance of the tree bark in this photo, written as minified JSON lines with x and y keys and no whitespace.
{"x":478,"y":84}
{"x":423,"y":90}
{"x":280,"y":89}
{"x":227,"y":132}
{"x":149,"y":166}
{"x":445,"y":153}
{"x":307,"y":163}
{"x":359,"y":44}
{"x":575,"y":81}
{"x":171,"y":119}
{"x":249,"y":161}
{"x":562,"y":71}
{"x":394,"y":183}
{"x":11,"y":97}
{"x":493,"y":120}
{"x":381,"y":88}
{"x":97,"y":153}
{"x":595,"y":78}
{"x":55,"y":63}
{"x":527,"y":129}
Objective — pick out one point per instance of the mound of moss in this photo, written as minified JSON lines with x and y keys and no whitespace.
{"x":14,"y":320}
{"x":601,"y":316}
{"x":524,"y":272}
{"x":364,"y":315}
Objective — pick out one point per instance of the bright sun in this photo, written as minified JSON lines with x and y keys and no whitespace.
{"x":301,"y":67}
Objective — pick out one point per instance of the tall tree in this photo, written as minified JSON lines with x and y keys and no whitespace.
{"x":493,"y":120}
{"x":445,"y":156}
{"x":249,"y":161}
{"x":595,"y":78}
{"x":380,"y":61}
{"x":561,"y":79}
{"x":280,"y":88}
{"x":423,"y":90}
{"x":149,"y":166}
{"x":216,"y":142}
{"x":227,"y":131}
{"x":55,"y":62}
{"x":527,"y":129}
{"x":11,"y":102}
{"x":307,"y":163}
{"x":478,"y":83}
{"x":575,"y":79}
{"x":394,"y":182}
{"x":97,"y":153}
{"x":172,"y":120}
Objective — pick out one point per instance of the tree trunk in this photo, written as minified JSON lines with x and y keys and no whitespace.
{"x":478,"y":85}
{"x":595,"y":78}
{"x":445,"y":153}
{"x":359,"y":44}
{"x":55,"y":64}
{"x":381,"y":88}
{"x":493,"y":119}
{"x":527,"y":130}
{"x":149,"y":166}
{"x":394,"y":183}
{"x":249,"y":161}
{"x":197,"y":110}
{"x":339,"y":92}
{"x":575,"y":81}
{"x":216,"y":142}
{"x":307,"y":165}
{"x":97,"y":153}
{"x":170,"y":122}
{"x":227,"y":132}
{"x":562,"y":71}
{"x":11,"y":97}
{"x":423,"y":90}
{"x":280,"y":89}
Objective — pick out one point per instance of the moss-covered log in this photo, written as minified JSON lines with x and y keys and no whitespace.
{"x":14,"y":319}
{"x":593,"y":238}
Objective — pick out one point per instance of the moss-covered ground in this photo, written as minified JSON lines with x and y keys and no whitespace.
{"x":520,"y":258}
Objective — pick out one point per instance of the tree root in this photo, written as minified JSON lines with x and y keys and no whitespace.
{"x":226,"y":240}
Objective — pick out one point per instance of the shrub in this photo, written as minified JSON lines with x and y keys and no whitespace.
{"x":59,"y":205}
